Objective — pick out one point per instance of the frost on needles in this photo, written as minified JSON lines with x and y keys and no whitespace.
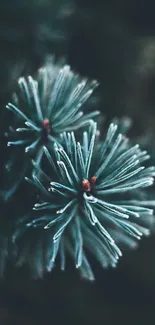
{"x":91,"y":201}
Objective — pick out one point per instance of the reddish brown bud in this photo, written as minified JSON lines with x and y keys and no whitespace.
{"x":46,"y":123}
{"x":93,"y":180}
{"x":86,"y":185}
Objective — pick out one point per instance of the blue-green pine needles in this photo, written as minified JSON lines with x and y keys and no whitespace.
{"x":92,"y":198}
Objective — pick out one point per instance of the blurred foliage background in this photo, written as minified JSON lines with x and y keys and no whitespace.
{"x":113,"y":41}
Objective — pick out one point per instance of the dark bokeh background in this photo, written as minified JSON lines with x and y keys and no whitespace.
{"x":113,"y":41}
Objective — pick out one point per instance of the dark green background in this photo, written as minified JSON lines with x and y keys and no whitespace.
{"x":112,"y":41}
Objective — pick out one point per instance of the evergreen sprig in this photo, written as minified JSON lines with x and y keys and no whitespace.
{"x":44,"y":108}
{"x":91,"y":198}
{"x":50,"y":105}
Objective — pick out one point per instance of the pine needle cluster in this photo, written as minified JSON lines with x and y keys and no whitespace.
{"x":90,"y":192}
